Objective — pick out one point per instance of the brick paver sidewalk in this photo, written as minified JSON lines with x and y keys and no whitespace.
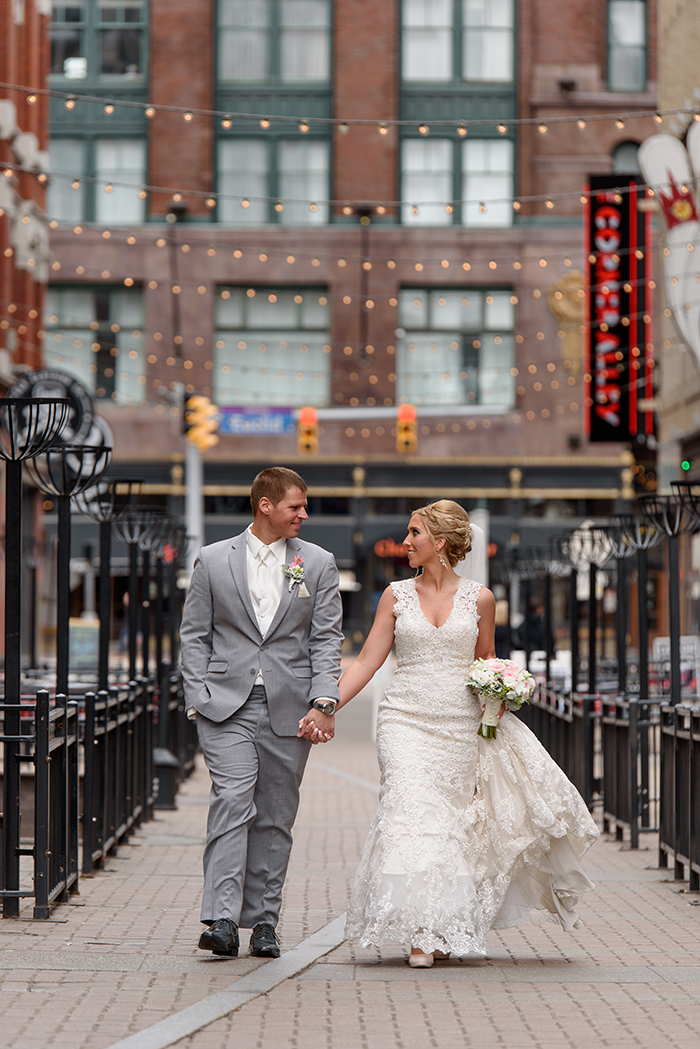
{"x":126,"y":958}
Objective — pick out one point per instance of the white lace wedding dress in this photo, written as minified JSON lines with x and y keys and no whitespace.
{"x":471,"y":834}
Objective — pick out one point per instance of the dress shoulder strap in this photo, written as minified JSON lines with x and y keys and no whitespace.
{"x":403,"y":590}
{"x":469,"y":591}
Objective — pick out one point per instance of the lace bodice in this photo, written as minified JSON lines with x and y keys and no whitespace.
{"x":419,"y":640}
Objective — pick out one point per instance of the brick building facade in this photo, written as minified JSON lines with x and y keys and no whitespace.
{"x":349,"y":266}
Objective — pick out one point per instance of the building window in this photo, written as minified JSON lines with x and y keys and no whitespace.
{"x":271,"y":347}
{"x":458,"y":347}
{"x":283,"y":180}
{"x":96,"y":336}
{"x":627,"y":33}
{"x":274,"y":41}
{"x":66,"y":194}
{"x":625,"y":160}
{"x":119,"y":164}
{"x":464,"y":40}
{"x":103,"y":39}
{"x":432,"y":168}
{"x":487,"y":183}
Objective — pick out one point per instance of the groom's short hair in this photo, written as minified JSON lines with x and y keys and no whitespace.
{"x":274,"y":483}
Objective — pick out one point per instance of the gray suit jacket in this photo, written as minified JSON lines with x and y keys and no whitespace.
{"x":222,"y":647}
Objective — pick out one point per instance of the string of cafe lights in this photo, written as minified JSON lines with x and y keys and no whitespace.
{"x":303,"y":124}
{"x":211,"y":199}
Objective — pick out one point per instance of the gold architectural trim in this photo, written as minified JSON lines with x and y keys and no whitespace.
{"x":352,"y":491}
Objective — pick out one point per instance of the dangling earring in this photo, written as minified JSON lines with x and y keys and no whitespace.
{"x":443,"y":562}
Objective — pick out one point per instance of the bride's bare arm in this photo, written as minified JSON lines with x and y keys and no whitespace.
{"x":486,"y":607}
{"x":374,"y":651}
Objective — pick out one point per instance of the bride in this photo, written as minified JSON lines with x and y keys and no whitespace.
{"x":470,"y":834}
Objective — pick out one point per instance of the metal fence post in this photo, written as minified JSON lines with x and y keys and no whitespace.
{"x":42,"y":853}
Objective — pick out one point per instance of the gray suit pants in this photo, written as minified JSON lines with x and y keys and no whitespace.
{"x":255,"y":779}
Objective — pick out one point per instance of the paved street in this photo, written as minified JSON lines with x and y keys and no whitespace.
{"x":123,"y":960}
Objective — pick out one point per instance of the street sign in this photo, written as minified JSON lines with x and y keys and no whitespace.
{"x":254,"y":421}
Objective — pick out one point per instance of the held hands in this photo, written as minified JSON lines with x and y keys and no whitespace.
{"x":317,"y":727}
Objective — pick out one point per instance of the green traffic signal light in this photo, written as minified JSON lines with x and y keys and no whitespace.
{"x":687,"y":464}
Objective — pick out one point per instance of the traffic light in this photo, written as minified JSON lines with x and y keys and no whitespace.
{"x":406,"y":430}
{"x":201,"y":422}
{"x":687,"y":464}
{"x":307,"y":431}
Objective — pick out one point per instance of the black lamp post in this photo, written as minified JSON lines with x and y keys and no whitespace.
{"x":590,"y":546}
{"x":668,"y":515}
{"x":131,"y":526}
{"x":151,"y":543}
{"x":642,"y":536}
{"x":555,"y":568}
{"x":64,"y":472}
{"x":621,"y":548}
{"x":105,"y":503}
{"x":28,"y":426}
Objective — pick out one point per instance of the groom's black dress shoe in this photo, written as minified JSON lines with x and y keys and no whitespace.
{"x":221,"y":938}
{"x":264,"y":942}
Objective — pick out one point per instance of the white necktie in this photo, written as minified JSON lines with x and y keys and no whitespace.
{"x":263,"y":582}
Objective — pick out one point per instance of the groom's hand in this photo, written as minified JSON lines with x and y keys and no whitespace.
{"x":317,"y":727}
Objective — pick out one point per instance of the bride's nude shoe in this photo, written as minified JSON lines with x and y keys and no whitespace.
{"x":418,"y":960}
{"x":440,"y":957}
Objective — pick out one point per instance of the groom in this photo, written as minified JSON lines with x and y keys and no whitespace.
{"x":261,"y":642}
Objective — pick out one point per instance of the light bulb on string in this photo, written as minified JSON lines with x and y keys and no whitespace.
{"x":109,"y":109}
{"x":620,"y":122}
{"x":581,"y":124}
{"x":549,"y":203}
{"x":187,"y":117}
{"x":449,"y":209}
{"x":31,"y":99}
{"x":462,"y":129}
{"x":482,"y":207}
{"x":347,"y":210}
{"x":304,"y":127}
{"x":245,"y":203}
{"x":109,"y":188}
{"x":343,"y":128}
{"x":313,"y":207}
{"x":658,"y":118}
{"x":542,"y":128}
{"x":177,"y":197}
{"x":383,"y":129}
{"x":150,"y":112}
{"x":414,"y":209}
{"x":516,"y":205}
{"x":69,"y":103}
{"x":226,"y":122}
{"x":381,"y":210}
{"x":210,"y":202}
{"x":264,"y":123}
{"x":75,"y":184}
{"x":143,"y":194}
{"x":502,"y":129}
{"x":279,"y":206}
{"x":424,"y":129}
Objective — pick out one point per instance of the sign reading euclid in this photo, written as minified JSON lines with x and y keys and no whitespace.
{"x":251,"y":421}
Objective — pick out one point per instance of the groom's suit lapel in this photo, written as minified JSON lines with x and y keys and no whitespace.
{"x":237,"y":560}
{"x":293,"y":548}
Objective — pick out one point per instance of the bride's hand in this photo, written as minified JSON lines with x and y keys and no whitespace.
{"x":317,"y":727}
{"x":501,"y":712}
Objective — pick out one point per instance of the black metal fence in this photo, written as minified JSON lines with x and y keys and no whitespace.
{"x":679,"y":822}
{"x":94,"y":779}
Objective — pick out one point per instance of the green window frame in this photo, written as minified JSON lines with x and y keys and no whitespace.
{"x":457,"y":42}
{"x":104,"y":41}
{"x":95,"y":333}
{"x":457,"y":346}
{"x":627,"y":45}
{"x":274,"y":42}
{"x":115,"y":158}
{"x":294,"y":173}
{"x":271,"y":346}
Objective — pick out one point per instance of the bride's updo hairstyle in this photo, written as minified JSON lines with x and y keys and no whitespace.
{"x":447,"y":520}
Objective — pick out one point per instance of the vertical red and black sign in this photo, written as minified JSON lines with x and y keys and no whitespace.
{"x":620,"y":347}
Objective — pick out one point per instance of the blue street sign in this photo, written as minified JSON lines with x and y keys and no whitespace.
{"x":254,"y":420}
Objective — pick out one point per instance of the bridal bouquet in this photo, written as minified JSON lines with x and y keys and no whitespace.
{"x":499,"y":681}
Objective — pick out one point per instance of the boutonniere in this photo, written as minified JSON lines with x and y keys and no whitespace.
{"x":295,"y":574}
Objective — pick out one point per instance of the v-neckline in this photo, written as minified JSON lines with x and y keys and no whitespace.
{"x":442,"y":625}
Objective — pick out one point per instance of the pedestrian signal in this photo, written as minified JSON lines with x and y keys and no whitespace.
{"x":406,"y":430}
{"x":307,"y":431}
{"x":687,"y":464}
{"x":201,"y":422}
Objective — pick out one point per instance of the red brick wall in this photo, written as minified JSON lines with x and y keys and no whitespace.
{"x":181,"y":73}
